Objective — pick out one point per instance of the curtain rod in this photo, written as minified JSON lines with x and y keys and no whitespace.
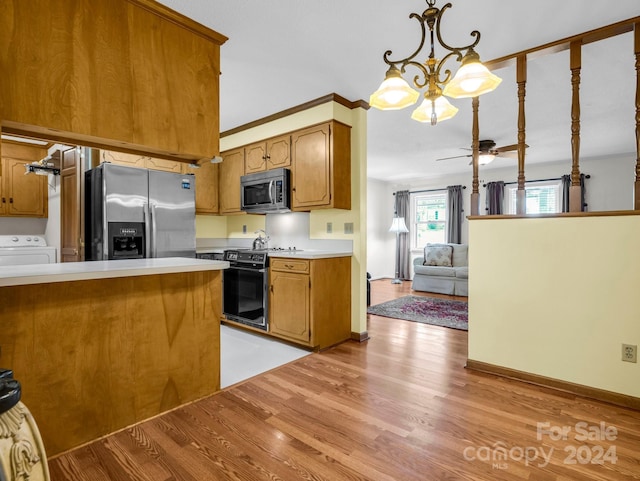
{"x":587,"y":176}
{"x":429,"y":190}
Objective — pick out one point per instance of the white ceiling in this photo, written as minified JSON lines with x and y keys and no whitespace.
{"x":286,"y":52}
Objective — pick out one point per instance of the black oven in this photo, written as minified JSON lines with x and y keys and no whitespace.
{"x":245,"y":283}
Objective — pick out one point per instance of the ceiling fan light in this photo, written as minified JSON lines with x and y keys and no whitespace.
{"x":394,"y":92}
{"x":444,"y":110}
{"x":485,"y":159}
{"x":471,"y":79}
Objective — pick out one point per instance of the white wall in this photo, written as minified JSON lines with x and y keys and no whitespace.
{"x":380,"y":242}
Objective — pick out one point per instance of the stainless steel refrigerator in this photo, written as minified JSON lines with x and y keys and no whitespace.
{"x":137,"y":213}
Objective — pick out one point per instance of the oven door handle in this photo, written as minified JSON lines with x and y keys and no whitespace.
{"x":248,"y":269}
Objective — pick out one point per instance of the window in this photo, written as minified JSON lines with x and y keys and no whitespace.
{"x":541,"y":198}
{"x":429,"y":213}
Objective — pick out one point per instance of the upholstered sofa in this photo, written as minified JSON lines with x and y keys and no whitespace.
{"x":444,"y":269}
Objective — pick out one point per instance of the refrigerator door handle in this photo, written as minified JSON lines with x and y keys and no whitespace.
{"x":154,"y":231}
{"x":146,"y":217}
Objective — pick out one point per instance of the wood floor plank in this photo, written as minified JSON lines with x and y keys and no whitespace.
{"x":398,"y":407}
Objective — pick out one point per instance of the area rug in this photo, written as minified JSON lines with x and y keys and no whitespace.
{"x":428,"y":310}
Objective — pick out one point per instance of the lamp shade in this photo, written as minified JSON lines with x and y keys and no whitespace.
{"x":398,"y":226}
{"x":394,"y":93}
{"x":484,"y":159}
{"x":471,"y":79}
{"x":443,"y":109}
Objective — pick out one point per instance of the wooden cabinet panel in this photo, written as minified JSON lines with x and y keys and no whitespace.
{"x":206,"y":186}
{"x":255,"y":158}
{"x":310,"y":300}
{"x":164,"y":165}
{"x":289,"y":306}
{"x":321,"y":167}
{"x":23,"y":195}
{"x":71,"y":242}
{"x":231,"y":169}
{"x":129,"y":74}
{"x":121,"y":158}
{"x":279,"y":152}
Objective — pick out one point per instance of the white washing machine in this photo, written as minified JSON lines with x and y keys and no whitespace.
{"x":16,"y":250}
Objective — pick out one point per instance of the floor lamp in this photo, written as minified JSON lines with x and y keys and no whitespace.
{"x":398,"y":226}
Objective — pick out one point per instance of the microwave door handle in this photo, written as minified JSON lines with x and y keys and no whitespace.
{"x":271,"y":192}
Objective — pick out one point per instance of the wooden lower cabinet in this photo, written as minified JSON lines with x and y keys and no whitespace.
{"x":310,"y":300}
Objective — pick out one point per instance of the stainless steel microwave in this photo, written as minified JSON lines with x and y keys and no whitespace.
{"x":267,"y":191}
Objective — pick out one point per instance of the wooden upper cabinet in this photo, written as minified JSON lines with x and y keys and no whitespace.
{"x":255,"y":158}
{"x":164,"y":165}
{"x":231,"y":169}
{"x":22,"y":195}
{"x":279,"y":152}
{"x":269,"y":154}
{"x":321,"y":167}
{"x":129,"y":74}
{"x":121,"y":158}
{"x":206,"y":186}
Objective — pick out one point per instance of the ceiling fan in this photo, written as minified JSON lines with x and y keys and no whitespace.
{"x":488,"y":152}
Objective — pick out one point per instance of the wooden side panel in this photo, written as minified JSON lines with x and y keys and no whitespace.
{"x":231,"y":169}
{"x":330,"y":320}
{"x":341,"y":165}
{"x":109,"y":73}
{"x":109,"y":353}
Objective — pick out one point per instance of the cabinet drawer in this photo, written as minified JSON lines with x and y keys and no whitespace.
{"x":290,"y":265}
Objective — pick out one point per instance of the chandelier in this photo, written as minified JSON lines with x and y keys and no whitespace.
{"x":472,"y":78}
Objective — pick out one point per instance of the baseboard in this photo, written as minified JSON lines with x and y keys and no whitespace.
{"x":565,"y":386}
{"x":360,"y":336}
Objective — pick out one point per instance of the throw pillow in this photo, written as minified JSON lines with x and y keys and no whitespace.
{"x":438,"y":256}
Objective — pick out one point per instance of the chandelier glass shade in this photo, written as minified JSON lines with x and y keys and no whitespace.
{"x":472,"y":78}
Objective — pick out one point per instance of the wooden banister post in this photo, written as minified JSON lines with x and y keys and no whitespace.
{"x":575,"y":197}
{"x":475,"y":146}
{"x":637,"y":52}
{"x":521,"y":196}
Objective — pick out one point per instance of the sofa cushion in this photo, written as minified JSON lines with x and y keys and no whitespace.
{"x":462,"y":272}
{"x":437,"y":255}
{"x":435,"y":271}
{"x":460,"y":255}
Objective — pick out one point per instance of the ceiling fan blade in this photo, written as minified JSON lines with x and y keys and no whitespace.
{"x":507,"y":155}
{"x":508,"y":148}
{"x":455,"y":157}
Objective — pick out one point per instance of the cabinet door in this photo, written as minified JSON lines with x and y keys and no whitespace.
{"x":206,"y":186}
{"x":164,"y":165}
{"x":289,"y":306}
{"x":71,"y":242}
{"x":255,"y":158}
{"x":120,"y":158}
{"x":231,"y":169}
{"x":310,"y":152}
{"x":4,"y":194}
{"x":279,"y":152}
{"x":27,"y":193}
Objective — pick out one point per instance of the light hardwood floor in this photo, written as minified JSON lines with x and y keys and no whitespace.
{"x":400,"y":407}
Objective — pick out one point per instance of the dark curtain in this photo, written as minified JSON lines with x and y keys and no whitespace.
{"x":454,"y":214}
{"x":566,"y":184}
{"x":403,"y":258}
{"x":495,"y":198}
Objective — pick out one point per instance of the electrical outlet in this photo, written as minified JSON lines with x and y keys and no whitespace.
{"x":348,"y":227}
{"x":329,"y":227}
{"x":629,"y":353}
{"x":244,"y":228}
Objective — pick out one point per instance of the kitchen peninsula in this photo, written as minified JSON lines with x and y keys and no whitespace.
{"x":98,"y":346}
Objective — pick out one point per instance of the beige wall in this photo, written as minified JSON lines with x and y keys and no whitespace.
{"x":557,"y":297}
{"x":210,"y":226}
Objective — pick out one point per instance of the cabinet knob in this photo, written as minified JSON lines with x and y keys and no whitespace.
{"x":10,"y":200}
{"x":288,"y":266}
{"x":4,"y":201}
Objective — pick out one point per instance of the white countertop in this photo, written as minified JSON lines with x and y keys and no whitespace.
{"x":309,"y":254}
{"x":80,"y":271}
